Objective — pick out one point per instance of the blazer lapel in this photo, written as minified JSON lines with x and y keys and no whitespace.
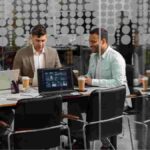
{"x":46,"y":58}
{"x":31,"y":58}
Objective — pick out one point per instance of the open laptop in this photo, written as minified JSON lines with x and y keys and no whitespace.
{"x":6,"y":76}
{"x":55,"y":81}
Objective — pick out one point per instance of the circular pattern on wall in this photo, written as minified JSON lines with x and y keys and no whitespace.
{"x":49,"y":21}
{"x":3,"y":41}
{"x":27,"y":21}
{"x":34,"y":7}
{"x":34,"y":22}
{"x":72,"y":20}
{"x":80,"y":21}
{"x":64,"y":30}
{"x":42,"y":21}
{"x":42,"y":1}
{"x":72,"y":16}
{"x":51,"y":41}
{"x":19,"y":31}
{"x":19,"y":41}
{"x":125,"y":39}
{"x":80,"y":7}
{"x":3,"y":31}
{"x":18,"y":8}
{"x":19,"y":22}
{"x":126,"y":29}
{"x":26,"y":7}
{"x":64,"y":21}
{"x":2,"y":22}
{"x":34,"y":15}
{"x":79,"y":30}
{"x":26,"y":1}
{"x":72,"y":6}
{"x":64,"y":7}
{"x":80,"y":14}
{"x":65,"y":14}
{"x":42,"y":7}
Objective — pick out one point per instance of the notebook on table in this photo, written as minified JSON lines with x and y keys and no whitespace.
{"x":55,"y":81}
{"x":6,"y":76}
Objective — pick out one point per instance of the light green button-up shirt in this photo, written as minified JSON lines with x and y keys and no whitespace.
{"x":108,"y":70}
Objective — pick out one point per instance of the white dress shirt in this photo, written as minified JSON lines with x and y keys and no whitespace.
{"x":39,"y":59}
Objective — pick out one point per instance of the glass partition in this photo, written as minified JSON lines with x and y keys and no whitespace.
{"x":68,"y":23}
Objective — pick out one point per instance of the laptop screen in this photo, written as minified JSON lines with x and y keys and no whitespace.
{"x":58,"y":79}
{"x":6,"y":76}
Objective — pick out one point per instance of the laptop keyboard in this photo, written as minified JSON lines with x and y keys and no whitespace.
{"x":62,"y":93}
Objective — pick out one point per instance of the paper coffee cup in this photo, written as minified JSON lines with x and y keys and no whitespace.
{"x":145,"y":83}
{"x":76,"y":72}
{"x":81,"y":83}
{"x":136,"y":82}
{"x":25,"y":82}
{"x":148,"y":73}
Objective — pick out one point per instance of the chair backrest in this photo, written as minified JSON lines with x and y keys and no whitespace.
{"x":37,"y":113}
{"x":105,"y":104}
{"x":130,"y":76}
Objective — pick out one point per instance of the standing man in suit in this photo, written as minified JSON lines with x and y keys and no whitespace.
{"x":36,"y":55}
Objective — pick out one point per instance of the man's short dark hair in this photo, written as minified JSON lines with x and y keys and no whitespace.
{"x":103,"y":34}
{"x":38,"y":30}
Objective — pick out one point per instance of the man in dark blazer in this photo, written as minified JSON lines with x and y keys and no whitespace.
{"x":36,"y":55}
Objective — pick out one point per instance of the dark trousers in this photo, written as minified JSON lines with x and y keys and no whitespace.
{"x":6,"y":115}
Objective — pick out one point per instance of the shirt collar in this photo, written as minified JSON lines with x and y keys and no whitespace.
{"x":105,"y":53}
{"x":35,"y":52}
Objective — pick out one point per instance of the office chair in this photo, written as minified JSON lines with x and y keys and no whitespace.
{"x":104,"y":115}
{"x":135,"y":95}
{"x":138,"y":102}
{"x":142,"y":119}
{"x":130,"y":76}
{"x":37,"y":124}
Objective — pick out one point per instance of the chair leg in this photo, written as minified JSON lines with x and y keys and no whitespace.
{"x":130,"y":133}
{"x":84,"y":137}
{"x":9,"y":142}
{"x":107,"y":139}
{"x":146,"y":135}
{"x":69,"y":138}
{"x":123,"y":130}
{"x":92,"y":145}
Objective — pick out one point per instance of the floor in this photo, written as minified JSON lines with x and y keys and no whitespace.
{"x":123,"y":139}
{"x":138,"y":133}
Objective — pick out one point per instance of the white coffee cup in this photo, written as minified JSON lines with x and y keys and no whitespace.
{"x":25,"y":82}
{"x":81,"y":83}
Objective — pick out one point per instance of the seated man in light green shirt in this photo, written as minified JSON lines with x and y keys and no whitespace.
{"x":106,"y":69}
{"x":107,"y":66}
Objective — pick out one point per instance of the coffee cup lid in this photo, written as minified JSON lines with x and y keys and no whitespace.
{"x":25,"y":77}
{"x":76,"y":71}
{"x":81,"y":78}
{"x":147,"y":71}
{"x":145,"y":78}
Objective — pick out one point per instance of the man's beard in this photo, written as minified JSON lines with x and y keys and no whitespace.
{"x":95,"y":49}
